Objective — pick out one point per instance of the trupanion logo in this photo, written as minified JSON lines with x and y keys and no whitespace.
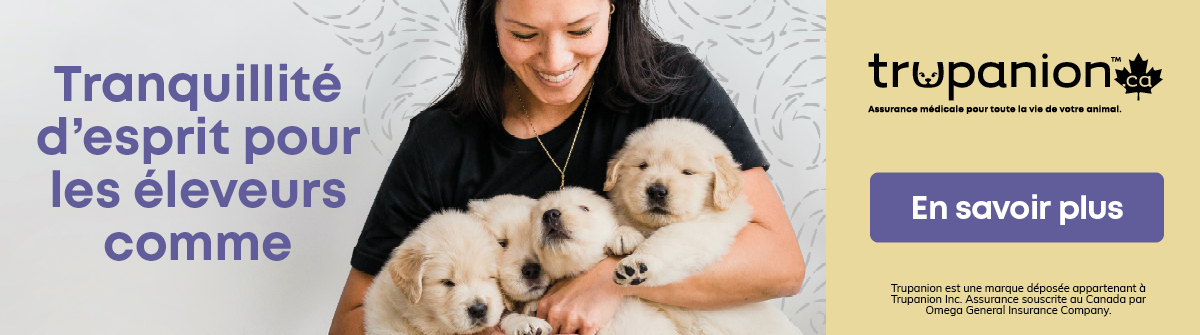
{"x":1136,"y":79}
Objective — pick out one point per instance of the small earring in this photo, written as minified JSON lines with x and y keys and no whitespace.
{"x":611,"y":9}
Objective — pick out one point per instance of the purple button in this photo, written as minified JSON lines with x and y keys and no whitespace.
{"x":1017,"y":207}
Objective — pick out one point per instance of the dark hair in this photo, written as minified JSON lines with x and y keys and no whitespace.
{"x":630,"y":71}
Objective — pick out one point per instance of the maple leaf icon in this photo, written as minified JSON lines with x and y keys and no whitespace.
{"x":1138,"y":80}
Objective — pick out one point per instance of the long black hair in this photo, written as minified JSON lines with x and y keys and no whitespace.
{"x":631,"y":70}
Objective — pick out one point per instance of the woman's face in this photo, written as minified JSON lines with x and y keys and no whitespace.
{"x":554,"y":46}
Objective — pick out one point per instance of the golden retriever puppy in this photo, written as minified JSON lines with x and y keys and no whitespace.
{"x":675,"y":179}
{"x":521,"y":277}
{"x":573,"y":229}
{"x":440,"y":280}
{"x":677,"y":182}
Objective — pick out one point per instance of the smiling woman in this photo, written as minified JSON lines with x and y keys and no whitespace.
{"x":556,"y":49}
{"x":529,"y":66}
{"x":546,"y":54}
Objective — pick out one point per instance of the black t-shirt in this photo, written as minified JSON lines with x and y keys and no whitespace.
{"x":444,"y":162}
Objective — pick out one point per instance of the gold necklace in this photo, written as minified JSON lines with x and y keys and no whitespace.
{"x":562,"y":171}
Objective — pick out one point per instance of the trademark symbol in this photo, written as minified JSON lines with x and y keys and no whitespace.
{"x":1116,"y":59}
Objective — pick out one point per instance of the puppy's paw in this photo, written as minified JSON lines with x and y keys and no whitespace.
{"x":633,"y":270}
{"x":518,"y":324}
{"x":624,"y":241}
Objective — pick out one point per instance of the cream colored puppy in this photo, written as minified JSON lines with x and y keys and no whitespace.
{"x":678,"y":183}
{"x":574,"y":228}
{"x":675,"y":179}
{"x":440,"y":280}
{"x":521,"y":277}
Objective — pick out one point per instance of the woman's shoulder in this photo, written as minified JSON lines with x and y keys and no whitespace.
{"x":435,"y":132}
{"x":436,"y":117}
{"x":678,"y":61}
{"x":689,"y":73}
{"x":442,"y":124}
{"x":694,"y":81}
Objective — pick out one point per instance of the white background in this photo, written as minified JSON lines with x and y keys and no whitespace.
{"x":392,"y":58}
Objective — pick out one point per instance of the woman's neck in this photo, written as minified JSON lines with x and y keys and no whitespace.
{"x":544,"y":117}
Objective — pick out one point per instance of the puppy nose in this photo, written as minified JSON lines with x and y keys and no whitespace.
{"x":656,"y":192}
{"x":477,"y":310}
{"x":551,"y":217}
{"x":531,"y":271}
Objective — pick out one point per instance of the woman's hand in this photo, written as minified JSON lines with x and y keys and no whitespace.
{"x":583,"y":304}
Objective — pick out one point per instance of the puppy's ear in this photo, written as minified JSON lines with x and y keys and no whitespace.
{"x":727,"y":182}
{"x":484,"y":210}
{"x":478,"y":207}
{"x":614,"y":166}
{"x":407,"y":270}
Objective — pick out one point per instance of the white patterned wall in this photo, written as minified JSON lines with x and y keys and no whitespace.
{"x":768,"y":54}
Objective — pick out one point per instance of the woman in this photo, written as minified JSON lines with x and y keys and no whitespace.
{"x":547,"y":92}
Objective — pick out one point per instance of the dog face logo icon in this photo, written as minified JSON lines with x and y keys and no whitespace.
{"x":930,"y":79}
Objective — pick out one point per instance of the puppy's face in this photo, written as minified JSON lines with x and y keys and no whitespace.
{"x":672,"y":171}
{"x":449,"y":274}
{"x":571,"y":229}
{"x":521,"y":275}
{"x":507,"y":217}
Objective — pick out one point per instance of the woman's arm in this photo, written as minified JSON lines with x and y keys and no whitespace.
{"x":348,"y":316}
{"x":763,"y":263}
